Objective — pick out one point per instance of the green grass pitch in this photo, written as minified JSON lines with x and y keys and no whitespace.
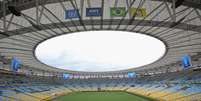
{"x":100,"y":96}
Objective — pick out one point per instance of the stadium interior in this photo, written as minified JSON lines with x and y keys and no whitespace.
{"x":26,"y":24}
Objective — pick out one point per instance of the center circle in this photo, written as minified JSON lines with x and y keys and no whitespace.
{"x":100,"y":51}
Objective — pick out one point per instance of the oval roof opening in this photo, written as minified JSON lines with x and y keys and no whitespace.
{"x":100,"y":51}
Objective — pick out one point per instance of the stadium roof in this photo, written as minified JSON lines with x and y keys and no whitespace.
{"x":26,"y":23}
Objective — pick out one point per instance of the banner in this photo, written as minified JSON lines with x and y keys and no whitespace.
{"x":93,"y":12}
{"x":70,"y":14}
{"x":118,"y":12}
{"x":66,"y":76}
{"x":141,"y":12}
{"x":15,"y":65}
{"x":186,"y":61}
{"x":131,"y":75}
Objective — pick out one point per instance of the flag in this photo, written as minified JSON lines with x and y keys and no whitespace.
{"x":69,"y":14}
{"x":93,"y":12}
{"x":118,"y":11}
{"x":141,"y":12}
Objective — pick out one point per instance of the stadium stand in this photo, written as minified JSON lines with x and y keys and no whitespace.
{"x":183,"y":87}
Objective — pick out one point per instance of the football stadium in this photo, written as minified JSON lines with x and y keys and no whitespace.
{"x":100,"y":50}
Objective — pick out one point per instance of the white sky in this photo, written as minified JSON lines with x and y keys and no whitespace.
{"x":99,"y":51}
